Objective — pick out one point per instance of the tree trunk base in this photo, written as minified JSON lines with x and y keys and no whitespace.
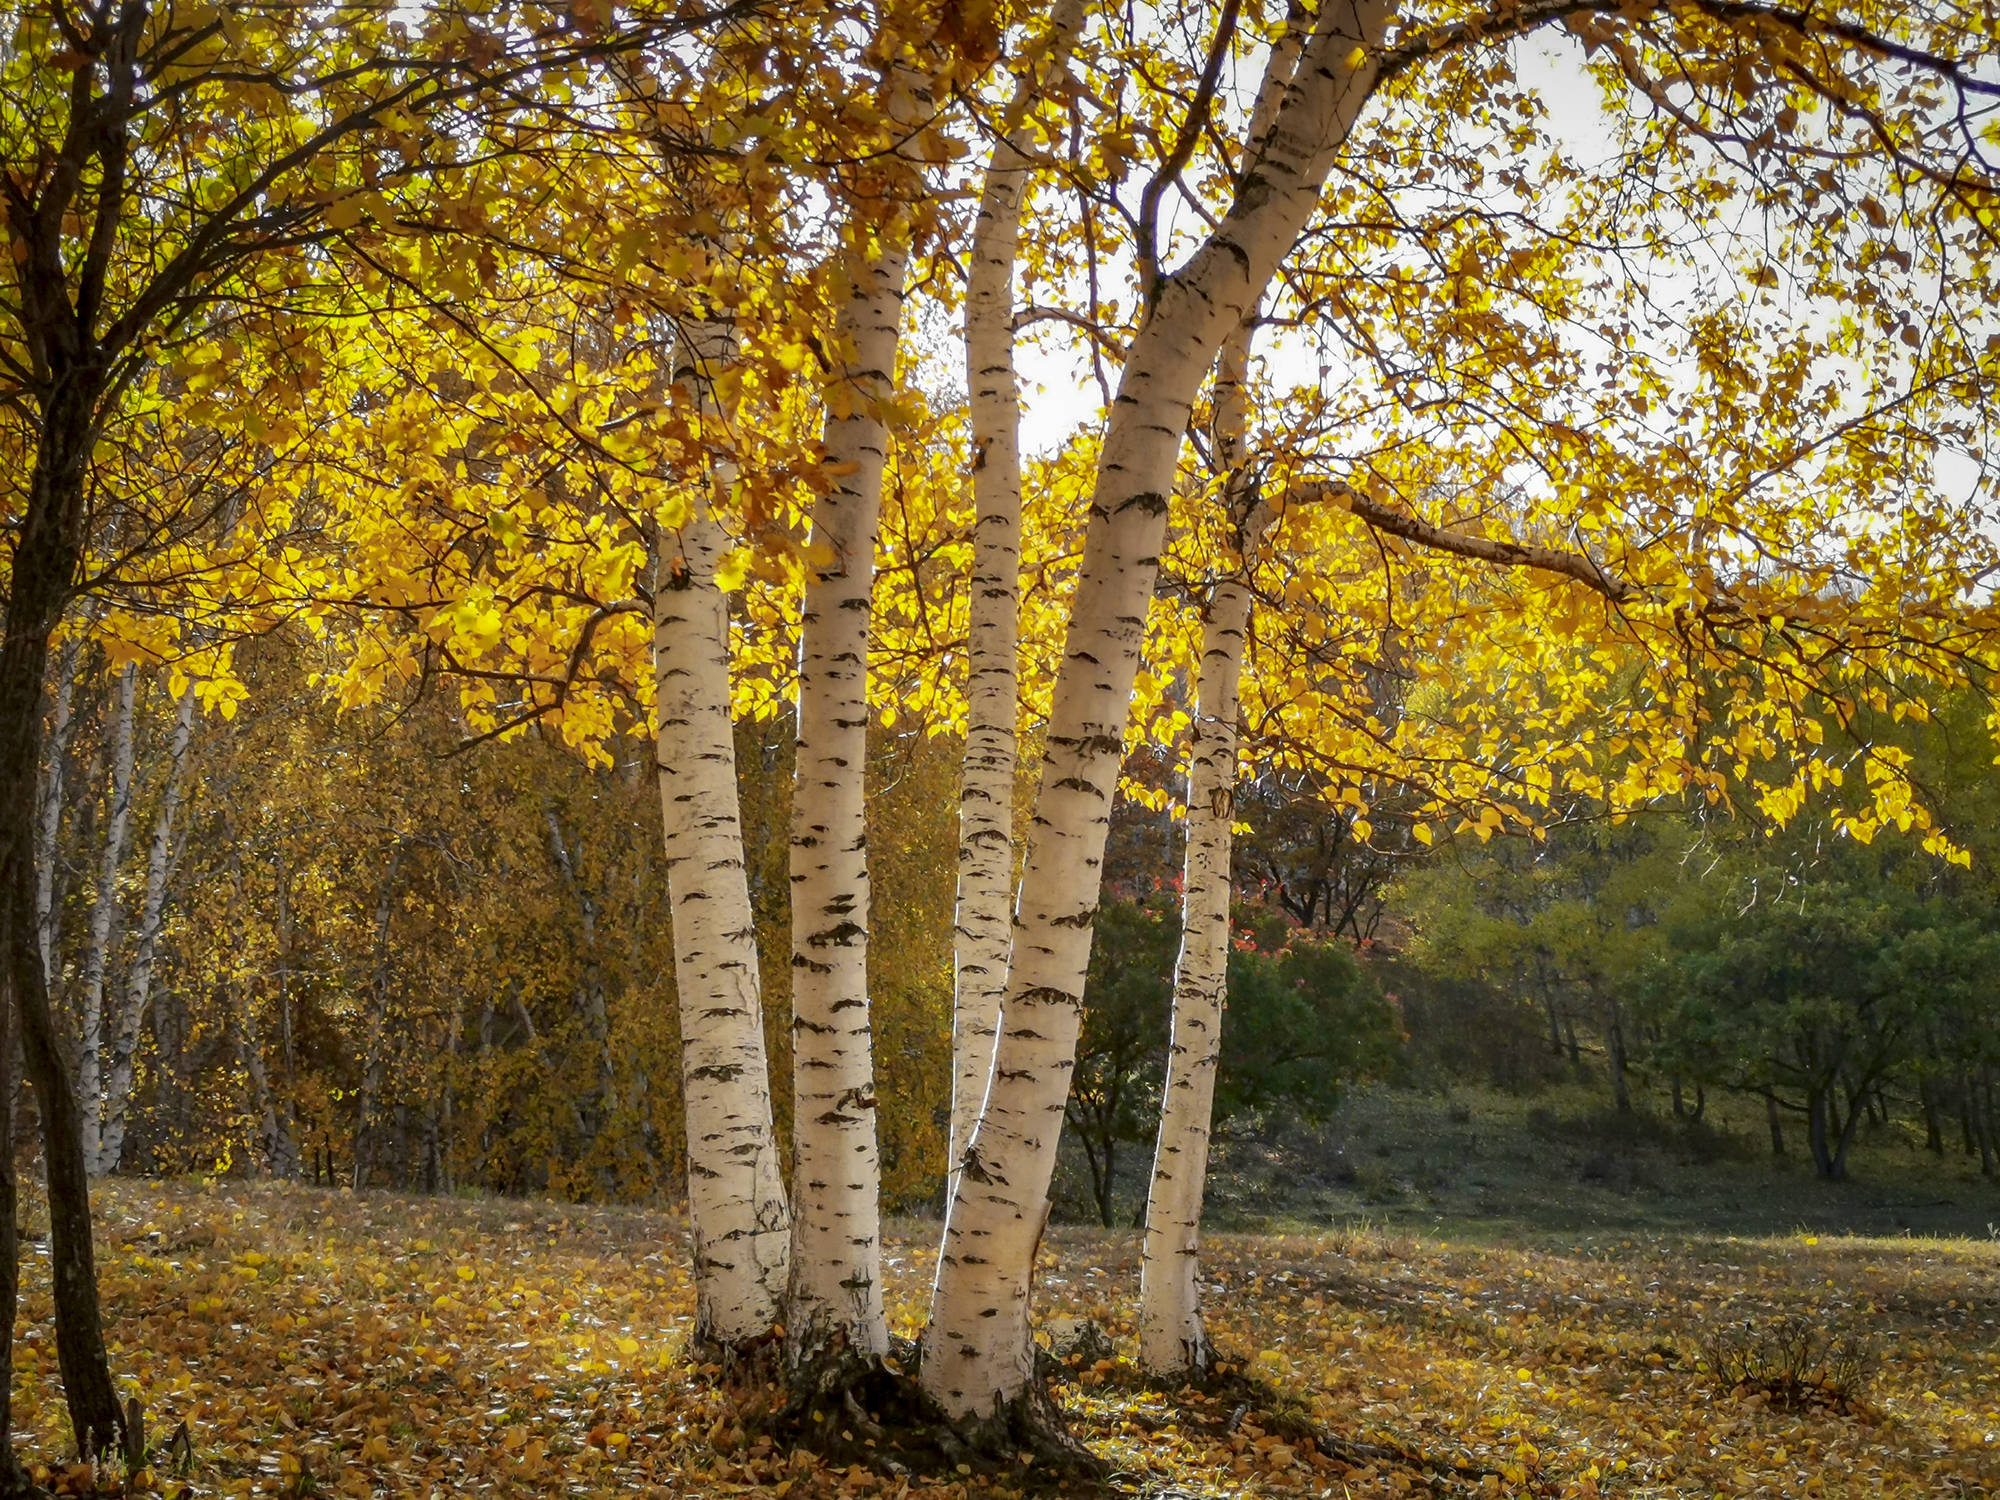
{"x":851,"y":1407}
{"x":15,"y":1483}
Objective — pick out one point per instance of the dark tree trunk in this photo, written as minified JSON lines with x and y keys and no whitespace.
{"x":11,"y":1478}
{"x":1107,"y":1209}
{"x":1933,"y":1131}
{"x":48,"y":546}
{"x":1821,"y":1130}
{"x":1776,"y":1123}
{"x":1700,"y":1102}
{"x":1680,"y":1105}
{"x":1984,"y":1122}
{"x":1614,"y":1049}
{"x":1846,"y":1139}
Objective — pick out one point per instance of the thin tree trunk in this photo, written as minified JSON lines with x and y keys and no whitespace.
{"x":287,"y":1050}
{"x":62,"y":722}
{"x":1847,"y":1133}
{"x":986,"y":799}
{"x":736,"y":1194}
{"x":597,"y":1111}
{"x":372,"y":1062}
{"x":978,"y":1360}
{"x":835,"y":1298}
{"x":1988,"y":1118}
{"x":104,"y":923}
{"x":1171,"y":1336}
{"x":279,"y":1159}
{"x":48,"y":544}
{"x":10,"y":1267}
{"x":1776,"y":1124}
{"x":1818,"y":1130}
{"x":1614,"y":1050}
{"x":160,"y":861}
{"x":441,"y":1119}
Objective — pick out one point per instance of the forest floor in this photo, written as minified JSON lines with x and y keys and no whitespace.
{"x":331,"y":1343}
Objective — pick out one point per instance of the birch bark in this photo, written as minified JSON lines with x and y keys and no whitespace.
{"x":978,"y":1360}
{"x":62,"y":722}
{"x":986,"y":799}
{"x":835,"y":1299}
{"x":736,"y":1194}
{"x":104,"y":1152}
{"x":104,"y":917}
{"x":1171,"y":1336}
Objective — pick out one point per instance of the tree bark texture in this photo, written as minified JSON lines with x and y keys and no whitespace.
{"x":48,"y":544}
{"x":835,"y":1298}
{"x":736,"y":1192}
{"x":1171,"y":1336}
{"x":986,"y":796}
{"x":978,"y":1360}
{"x":104,"y":915}
{"x":62,"y":724}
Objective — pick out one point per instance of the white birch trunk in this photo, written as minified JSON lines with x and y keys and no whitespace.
{"x":160,"y":860}
{"x":104,"y":920}
{"x":62,"y":723}
{"x":986,"y":798}
{"x":1171,"y":1337}
{"x":978,"y":1360}
{"x":736,"y":1193}
{"x":835,"y":1298}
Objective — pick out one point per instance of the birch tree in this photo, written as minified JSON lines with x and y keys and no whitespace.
{"x":62,"y":725}
{"x":978,"y":1360}
{"x":104,"y":1124}
{"x":986,"y":798}
{"x":736,"y":1193}
{"x":1171,"y":1338}
{"x":104,"y":911}
{"x":835,"y":1299}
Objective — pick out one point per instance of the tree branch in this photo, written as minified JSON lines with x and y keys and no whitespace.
{"x":1577,"y":566}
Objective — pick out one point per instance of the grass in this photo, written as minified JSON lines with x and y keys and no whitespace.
{"x":320,"y":1342}
{"x":1507,"y":1168}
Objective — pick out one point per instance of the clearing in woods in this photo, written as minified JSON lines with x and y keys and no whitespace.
{"x":323,"y":1342}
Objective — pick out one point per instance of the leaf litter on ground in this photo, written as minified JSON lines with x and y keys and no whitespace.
{"x":298,"y":1341}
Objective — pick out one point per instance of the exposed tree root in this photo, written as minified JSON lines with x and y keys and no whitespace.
{"x":852,"y":1408}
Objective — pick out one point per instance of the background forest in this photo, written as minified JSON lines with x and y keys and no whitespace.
{"x":335,"y":947}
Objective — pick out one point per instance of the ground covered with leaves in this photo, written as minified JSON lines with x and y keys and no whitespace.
{"x":292,"y":1341}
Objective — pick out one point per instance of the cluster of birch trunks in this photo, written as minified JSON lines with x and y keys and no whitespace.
{"x":809,"y":1259}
